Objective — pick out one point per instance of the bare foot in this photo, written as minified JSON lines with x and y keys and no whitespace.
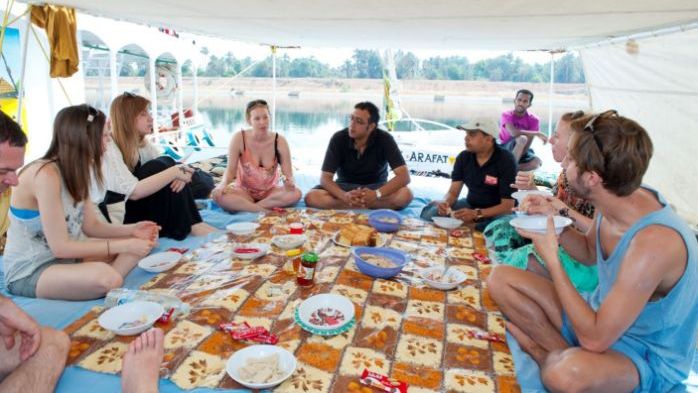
{"x":202,"y":229}
{"x":527,"y":344}
{"x":141,"y":365}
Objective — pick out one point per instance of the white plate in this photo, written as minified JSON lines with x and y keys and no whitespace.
{"x":382,"y":239}
{"x":287,"y":242}
{"x":159,"y":262}
{"x":287,"y":363}
{"x":522,"y":194}
{"x":539,"y":224}
{"x":457,"y":277}
{"x":326,"y":300}
{"x":242,"y":228}
{"x":263,"y":249}
{"x":131,"y":318}
{"x":447,"y":222}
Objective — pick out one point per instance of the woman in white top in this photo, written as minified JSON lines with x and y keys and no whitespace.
{"x":155,"y":187}
{"x":45,"y":256}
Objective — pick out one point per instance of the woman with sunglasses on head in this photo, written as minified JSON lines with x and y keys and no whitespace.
{"x":50,"y":208}
{"x":155,"y":187}
{"x":257,"y":159}
{"x":512,"y":249}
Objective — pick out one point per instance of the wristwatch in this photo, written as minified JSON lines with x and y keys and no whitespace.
{"x":565,"y":212}
{"x":478,"y":214}
{"x":378,"y":193}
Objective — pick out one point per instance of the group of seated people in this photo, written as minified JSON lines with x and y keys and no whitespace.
{"x":611,"y":304}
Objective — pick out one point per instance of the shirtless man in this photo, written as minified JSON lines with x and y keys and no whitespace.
{"x":637,"y":330}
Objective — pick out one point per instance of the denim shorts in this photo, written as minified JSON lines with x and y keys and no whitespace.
{"x":649,"y":381}
{"x":26,"y":286}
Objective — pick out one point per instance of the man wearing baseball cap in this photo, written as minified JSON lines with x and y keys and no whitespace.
{"x":486,"y":170}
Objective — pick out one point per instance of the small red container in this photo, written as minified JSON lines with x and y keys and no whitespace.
{"x":296,"y":228}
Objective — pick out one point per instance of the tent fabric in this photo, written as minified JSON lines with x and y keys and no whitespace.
{"x":654,"y":81}
{"x":405,"y":24}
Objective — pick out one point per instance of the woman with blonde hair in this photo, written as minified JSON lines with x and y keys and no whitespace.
{"x":155,"y":187}
{"x":257,"y":159}
{"x":45,"y":255}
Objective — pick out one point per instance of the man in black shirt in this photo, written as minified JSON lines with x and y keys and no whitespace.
{"x":487,"y":171}
{"x":360,"y":155}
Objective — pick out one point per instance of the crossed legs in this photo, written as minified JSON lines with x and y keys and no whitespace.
{"x":86,"y":280}
{"x":237,"y":199}
{"x":321,"y":199}
{"x":531,"y":305}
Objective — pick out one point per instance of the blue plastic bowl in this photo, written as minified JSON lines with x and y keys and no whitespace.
{"x":374,"y":220}
{"x":398,"y":257}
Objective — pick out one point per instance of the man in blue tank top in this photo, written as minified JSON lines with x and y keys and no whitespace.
{"x":637,"y":331}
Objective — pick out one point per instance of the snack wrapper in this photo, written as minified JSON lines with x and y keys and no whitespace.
{"x":487,"y":336}
{"x":482,"y":258}
{"x":382,"y":382}
{"x":243,"y":331}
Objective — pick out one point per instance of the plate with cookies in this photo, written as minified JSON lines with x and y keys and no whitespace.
{"x":359,"y":235}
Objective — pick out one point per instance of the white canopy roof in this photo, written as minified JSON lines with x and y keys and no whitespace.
{"x":406,"y":24}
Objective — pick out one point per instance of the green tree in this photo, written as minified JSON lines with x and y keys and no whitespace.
{"x":367,"y":64}
{"x":407,"y":65}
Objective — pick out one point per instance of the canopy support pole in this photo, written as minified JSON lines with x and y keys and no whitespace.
{"x":273,"y":87}
{"x":153,"y":94}
{"x":180,"y":95}
{"x":551,"y":92}
{"x":22,"y":73}
{"x":113,"y":73}
{"x":195,"y":105}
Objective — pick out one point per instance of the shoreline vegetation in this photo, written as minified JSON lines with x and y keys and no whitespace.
{"x":219,"y":90}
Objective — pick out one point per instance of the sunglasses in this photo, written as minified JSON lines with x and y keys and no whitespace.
{"x":129,"y":94}
{"x":590,"y":126}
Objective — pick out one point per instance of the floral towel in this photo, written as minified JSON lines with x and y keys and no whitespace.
{"x":404,"y":329}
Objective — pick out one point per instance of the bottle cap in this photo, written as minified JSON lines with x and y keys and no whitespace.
{"x":310,"y":257}
{"x":294,"y":252}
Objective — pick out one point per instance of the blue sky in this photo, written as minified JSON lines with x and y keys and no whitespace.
{"x":10,"y":49}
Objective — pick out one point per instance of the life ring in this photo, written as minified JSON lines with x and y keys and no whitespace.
{"x":166,"y":81}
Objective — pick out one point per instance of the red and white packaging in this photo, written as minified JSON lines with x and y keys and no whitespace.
{"x":482,"y":258}
{"x":382,"y":382}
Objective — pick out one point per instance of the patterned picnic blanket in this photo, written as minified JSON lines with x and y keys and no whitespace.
{"x":404,"y":329}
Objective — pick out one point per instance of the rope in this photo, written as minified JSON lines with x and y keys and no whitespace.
{"x":48,"y":60}
{"x":8,"y":9}
{"x":225,"y":84}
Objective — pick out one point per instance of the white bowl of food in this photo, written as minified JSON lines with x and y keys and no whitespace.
{"x":242,"y":228}
{"x":159,"y":262}
{"x":287,"y":242}
{"x":250,"y":250}
{"x":440,"y":278}
{"x":447,"y":222}
{"x":131,"y":318}
{"x":539,"y":224}
{"x":326,"y":311}
{"x":261,"y":366}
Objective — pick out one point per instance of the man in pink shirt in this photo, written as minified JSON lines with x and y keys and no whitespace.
{"x":518,"y":128}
